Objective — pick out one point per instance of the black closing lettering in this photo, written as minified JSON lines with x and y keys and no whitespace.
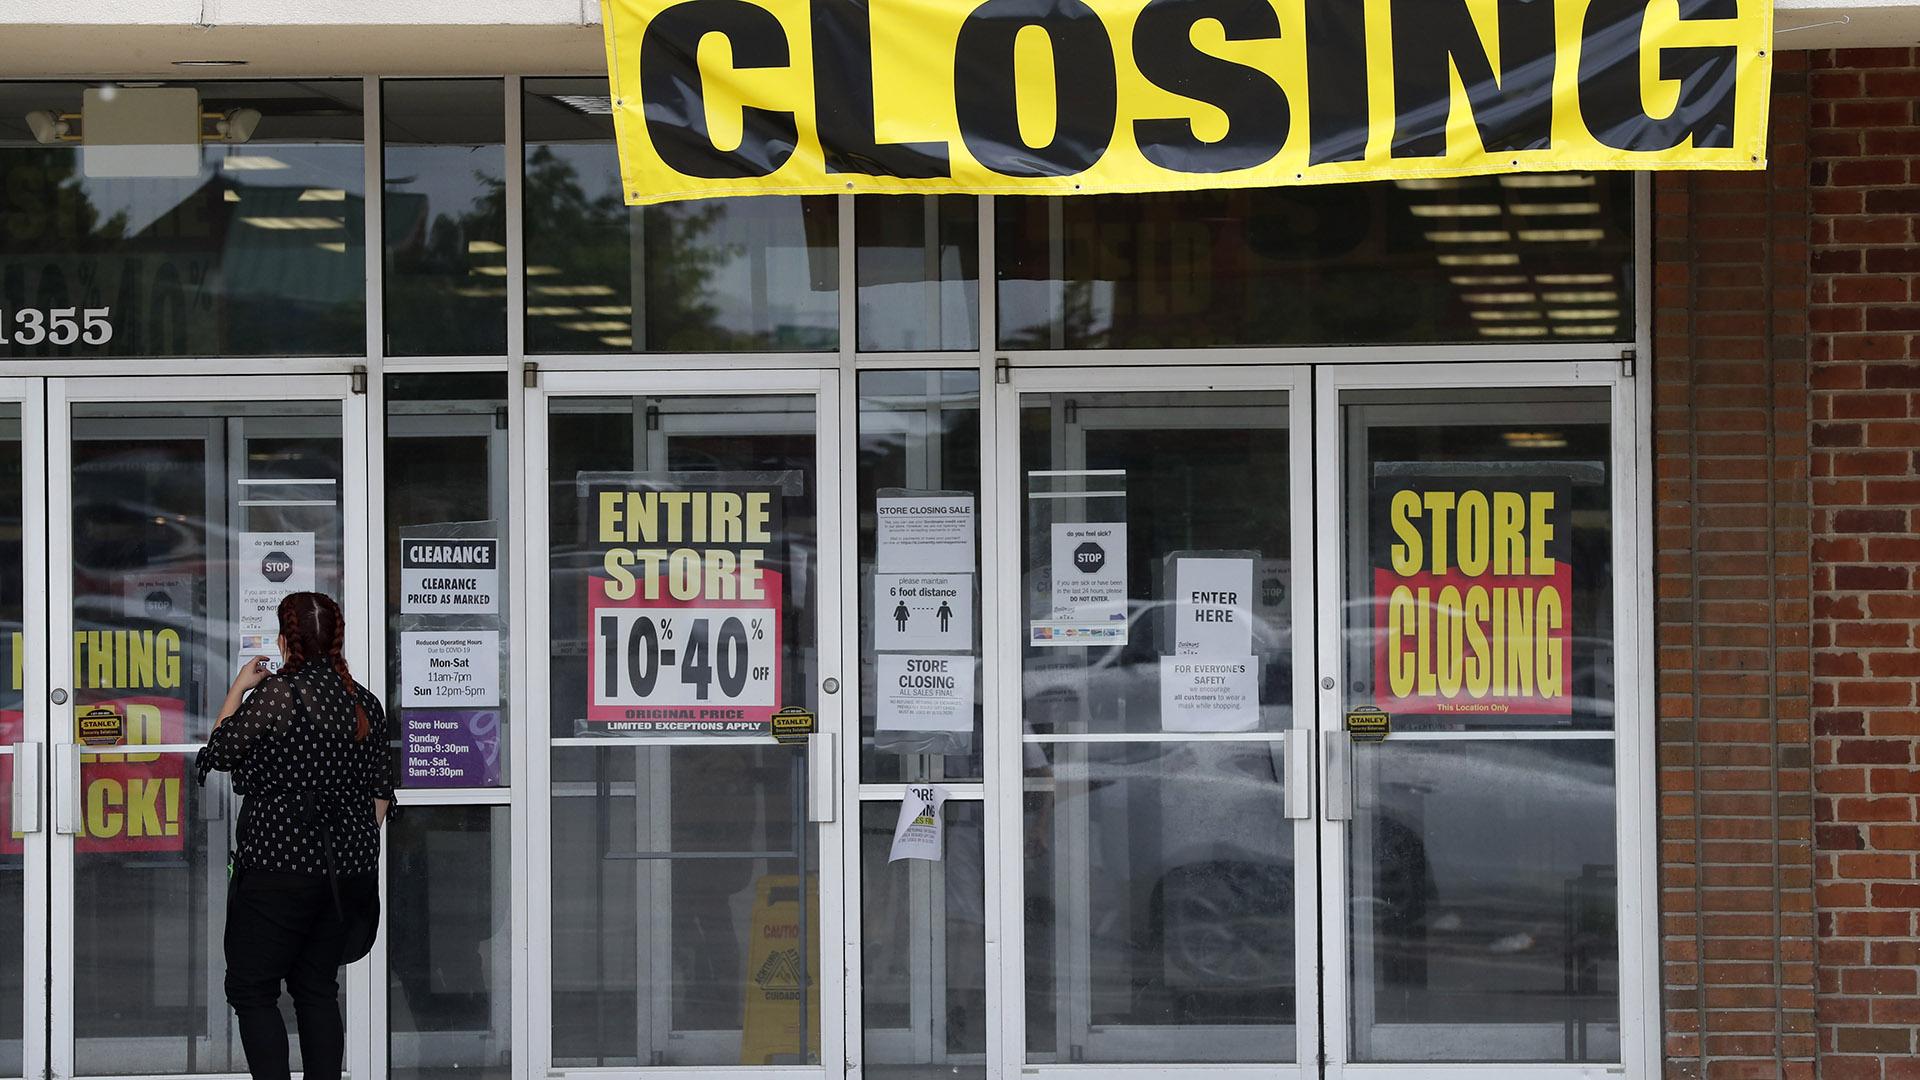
{"x":674,"y":96}
{"x":1337,"y":101}
{"x":843,"y":100}
{"x":1610,"y":100}
{"x":986,"y":97}
{"x":1513,"y":110}
{"x":1257,"y":111}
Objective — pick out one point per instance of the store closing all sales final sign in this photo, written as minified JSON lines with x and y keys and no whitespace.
{"x":1063,"y":97}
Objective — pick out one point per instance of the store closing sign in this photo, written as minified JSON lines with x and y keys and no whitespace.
{"x":1474,"y":595}
{"x":1037,"y":97}
{"x":685,"y":615}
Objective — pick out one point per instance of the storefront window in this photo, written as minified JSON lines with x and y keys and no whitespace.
{"x":449,"y":944}
{"x":919,"y":271}
{"x":190,"y":522}
{"x":713,"y":275}
{"x":241,"y":234}
{"x":683,"y":603}
{"x":919,"y":461}
{"x":1531,"y":257}
{"x":923,"y":1002}
{"x":1463,"y":502}
{"x":1482,"y":854}
{"x":1160,"y":862}
{"x":446,"y":216}
{"x":447,"y":559}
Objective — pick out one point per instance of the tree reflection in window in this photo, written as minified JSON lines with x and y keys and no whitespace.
{"x":732,"y":275}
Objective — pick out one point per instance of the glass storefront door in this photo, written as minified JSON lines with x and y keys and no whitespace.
{"x":685,"y":572}
{"x":1318,"y":718}
{"x":1306,"y":745}
{"x":1157,"y":615}
{"x":181,"y":511}
{"x":1482,"y":861}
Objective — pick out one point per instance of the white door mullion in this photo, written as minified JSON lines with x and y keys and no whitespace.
{"x":534,"y":767}
{"x":37,"y":847}
{"x":59,"y":718}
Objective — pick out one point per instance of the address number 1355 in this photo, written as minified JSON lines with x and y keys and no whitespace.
{"x":56,"y":326}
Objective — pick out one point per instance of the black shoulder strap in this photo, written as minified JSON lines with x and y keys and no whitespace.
{"x":316,"y":813}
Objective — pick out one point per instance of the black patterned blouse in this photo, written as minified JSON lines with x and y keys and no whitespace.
{"x":297,"y":768}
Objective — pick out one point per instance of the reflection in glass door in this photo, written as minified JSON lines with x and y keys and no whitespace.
{"x":184,"y":522}
{"x":685,"y":588}
{"x":1165,"y":845}
{"x":1476,"y":874}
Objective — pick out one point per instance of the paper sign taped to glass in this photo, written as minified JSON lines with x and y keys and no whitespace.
{"x":924,"y":693}
{"x":922,"y":612}
{"x":919,"y":831}
{"x":1213,"y":607}
{"x":450,"y":668}
{"x":757,"y":97}
{"x":448,"y":575}
{"x":924,"y":532}
{"x":1086,"y":602}
{"x":267,"y":568}
{"x":684,"y":614}
{"x":1473,"y":594}
{"x":450,"y":747}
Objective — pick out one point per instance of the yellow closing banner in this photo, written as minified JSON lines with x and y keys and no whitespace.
{"x":1062,"y":97}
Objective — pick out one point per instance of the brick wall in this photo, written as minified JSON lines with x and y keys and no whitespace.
{"x":1788,"y":423}
{"x":1865,"y":143}
{"x":1732,"y":611}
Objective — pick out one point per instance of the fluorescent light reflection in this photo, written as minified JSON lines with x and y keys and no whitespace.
{"x":1456,"y":210}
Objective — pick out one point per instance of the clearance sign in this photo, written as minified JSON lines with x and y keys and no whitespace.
{"x":1473,"y":596}
{"x":1065,"y":97}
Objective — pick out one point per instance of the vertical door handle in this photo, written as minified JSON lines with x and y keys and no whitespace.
{"x":26,"y":787}
{"x":823,"y":775}
{"x":1339,"y":777}
{"x":66,"y":789}
{"x":1296,"y":750}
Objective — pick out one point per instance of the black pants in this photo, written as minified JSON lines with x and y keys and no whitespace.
{"x":284,"y":928}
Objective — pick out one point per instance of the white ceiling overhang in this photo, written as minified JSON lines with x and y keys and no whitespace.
{"x":132,"y":38}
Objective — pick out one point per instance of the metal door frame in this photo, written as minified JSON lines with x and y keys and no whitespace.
{"x":1006,"y":765}
{"x":62,"y":394}
{"x":1633,"y":737}
{"x":823,"y":385}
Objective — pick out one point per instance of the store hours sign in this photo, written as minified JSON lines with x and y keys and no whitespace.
{"x":684,"y":614}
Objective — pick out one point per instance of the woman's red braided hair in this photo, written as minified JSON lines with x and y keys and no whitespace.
{"x":316,"y":630}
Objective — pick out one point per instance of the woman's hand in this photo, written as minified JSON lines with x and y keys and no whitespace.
{"x":252,"y":674}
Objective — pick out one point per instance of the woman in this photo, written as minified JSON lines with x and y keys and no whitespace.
{"x":308,"y":750}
